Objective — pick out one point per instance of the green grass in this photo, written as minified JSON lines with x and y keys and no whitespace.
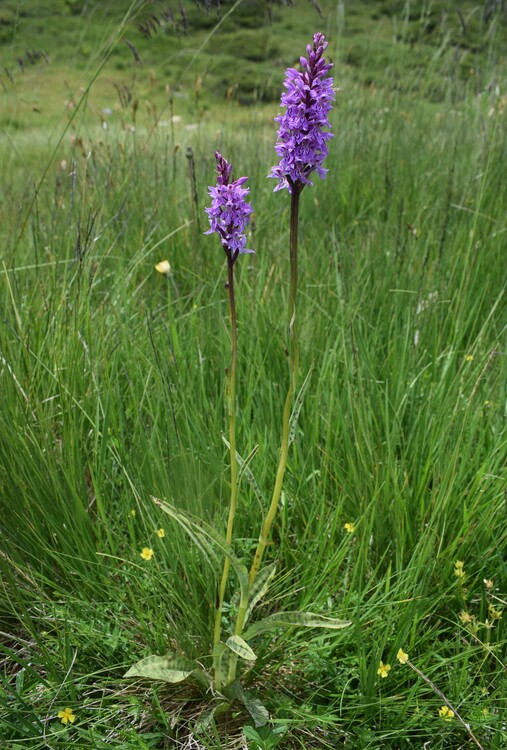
{"x":113,"y":376}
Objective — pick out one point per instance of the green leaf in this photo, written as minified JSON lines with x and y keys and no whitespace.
{"x":204,"y":534}
{"x":222,"y":660}
{"x":240,"y":647}
{"x":209,"y":714}
{"x":169,"y":668}
{"x":255,"y":708}
{"x":298,"y":403}
{"x":260,"y":587}
{"x":200,"y":676}
{"x":295,"y":620}
{"x":243,"y":464}
{"x":193,"y":530}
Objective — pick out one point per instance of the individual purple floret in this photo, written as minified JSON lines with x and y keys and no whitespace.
{"x":229,"y":213}
{"x":301,"y":142}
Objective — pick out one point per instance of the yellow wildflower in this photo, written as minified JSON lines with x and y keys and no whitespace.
{"x":465,"y":617}
{"x":146,"y":553}
{"x":160,"y":533}
{"x":383,"y":669}
{"x":469,"y":357}
{"x":66,"y":715}
{"x":133,"y":512}
{"x":164,"y":267}
{"x":445,"y":713}
{"x":402,"y":656}
{"x":349,"y":527}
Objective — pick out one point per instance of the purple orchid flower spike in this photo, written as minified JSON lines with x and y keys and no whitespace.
{"x":229,"y":212}
{"x":302,"y":142}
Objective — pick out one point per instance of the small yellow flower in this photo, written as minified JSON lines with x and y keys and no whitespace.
{"x":349,"y":527}
{"x":383,"y":669}
{"x":402,"y":656}
{"x":164,"y":267}
{"x":488,"y":583}
{"x":445,"y":713}
{"x":160,"y":533}
{"x":133,"y":512}
{"x":465,"y":617}
{"x":66,"y":715}
{"x":469,"y":357}
{"x":146,"y":553}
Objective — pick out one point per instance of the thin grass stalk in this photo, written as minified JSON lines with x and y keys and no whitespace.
{"x":196,"y":224}
{"x":446,"y":701}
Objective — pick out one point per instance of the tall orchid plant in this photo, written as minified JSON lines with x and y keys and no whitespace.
{"x":302,"y":147}
{"x":229,"y":215}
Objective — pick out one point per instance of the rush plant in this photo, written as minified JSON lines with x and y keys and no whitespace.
{"x":302,"y":147}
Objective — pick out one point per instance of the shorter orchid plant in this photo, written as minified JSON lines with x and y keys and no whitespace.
{"x":302,"y":148}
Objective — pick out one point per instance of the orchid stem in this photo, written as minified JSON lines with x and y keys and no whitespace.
{"x":293,"y":364}
{"x":231,"y":403}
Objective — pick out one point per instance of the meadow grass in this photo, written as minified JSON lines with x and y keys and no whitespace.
{"x":113,"y":389}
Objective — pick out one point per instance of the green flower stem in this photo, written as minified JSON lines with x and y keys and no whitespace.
{"x":231,"y":401}
{"x":284,"y":451}
{"x":294,"y":362}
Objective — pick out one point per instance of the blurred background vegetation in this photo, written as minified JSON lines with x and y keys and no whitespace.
{"x":203,"y":55}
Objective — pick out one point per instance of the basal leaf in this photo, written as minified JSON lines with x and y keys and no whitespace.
{"x":241,"y":648}
{"x":169,"y":668}
{"x":209,"y":714}
{"x":221,"y":661}
{"x":295,"y":620}
{"x":255,"y":708}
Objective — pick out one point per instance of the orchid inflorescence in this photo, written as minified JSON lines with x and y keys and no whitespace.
{"x":229,"y":212}
{"x":302,"y":142}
